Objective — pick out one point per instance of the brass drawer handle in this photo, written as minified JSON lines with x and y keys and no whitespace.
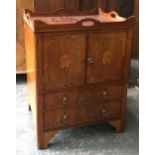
{"x":104,"y":112}
{"x":105,"y":94}
{"x":90,"y":61}
{"x":65,"y":100}
{"x":65,"y":118}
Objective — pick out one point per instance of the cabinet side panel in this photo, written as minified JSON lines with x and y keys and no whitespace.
{"x":33,"y":51}
{"x":30,"y":65}
{"x":127,"y":68}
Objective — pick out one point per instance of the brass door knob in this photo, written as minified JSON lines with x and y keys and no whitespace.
{"x":90,"y":61}
{"x":105,"y":94}
{"x":65,"y":118}
{"x":65,"y":100}
{"x":104,"y":112}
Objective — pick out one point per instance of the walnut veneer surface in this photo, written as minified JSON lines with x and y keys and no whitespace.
{"x":77,"y":70}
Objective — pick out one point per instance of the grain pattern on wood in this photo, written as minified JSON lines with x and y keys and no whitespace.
{"x":98,"y":111}
{"x":86,"y":95}
{"x":77,"y":75}
{"x":108,"y":64}
{"x":63,"y":57}
{"x":104,"y":92}
{"x":61,"y":99}
{"x":31,"y":70}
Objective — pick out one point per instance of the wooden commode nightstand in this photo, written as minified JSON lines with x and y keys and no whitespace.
{"x":78,"y":65}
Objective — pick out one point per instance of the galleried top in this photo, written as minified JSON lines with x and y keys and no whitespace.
{"x":63,"y":18}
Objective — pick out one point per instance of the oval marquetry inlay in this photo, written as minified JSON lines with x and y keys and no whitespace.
{"x":88,"y":23}
{"x":106,"y":59}
{"x":65,"y":61}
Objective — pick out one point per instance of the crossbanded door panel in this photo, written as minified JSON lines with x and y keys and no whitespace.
{"x":106,"y":56}
{"x":63,"y":60}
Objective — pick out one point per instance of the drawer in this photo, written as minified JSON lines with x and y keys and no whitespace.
{"x":97,"y":111}
{"x":104,"y":92}
{"x":85,"y":95}
{"x":79,"y":114}
{"x":63,"y":99}
{"x":58,"y":118}
{"x":104,"y":111}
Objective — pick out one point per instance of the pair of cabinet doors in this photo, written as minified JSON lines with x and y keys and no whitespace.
{"x":76,"y":59}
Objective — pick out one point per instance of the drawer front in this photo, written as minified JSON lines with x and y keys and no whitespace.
{"x":104,"y":92}
{"x":63,"y":99}
{"x":104,"y":111}
{"x":59,"y":118}
{"x":85,"y":95}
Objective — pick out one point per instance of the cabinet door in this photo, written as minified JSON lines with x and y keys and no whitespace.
{"x":63,"y":60}
{"x":106,"y":56}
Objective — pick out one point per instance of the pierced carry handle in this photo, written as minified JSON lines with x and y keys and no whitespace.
{"x":113,"y":14}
